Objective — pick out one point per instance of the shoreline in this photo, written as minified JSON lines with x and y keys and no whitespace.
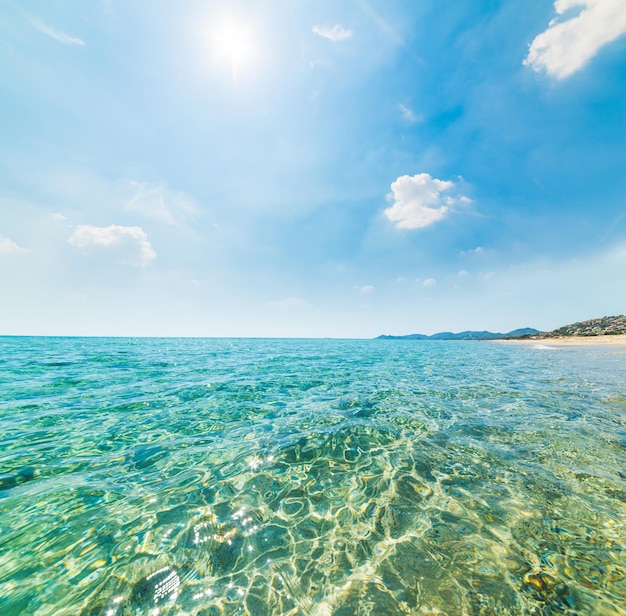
{"x":611,"y":340}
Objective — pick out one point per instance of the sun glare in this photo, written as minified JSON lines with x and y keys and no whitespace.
{"x":234,"y":46}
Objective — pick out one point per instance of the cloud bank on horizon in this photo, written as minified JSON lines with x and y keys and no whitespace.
{"x":311,"y":171}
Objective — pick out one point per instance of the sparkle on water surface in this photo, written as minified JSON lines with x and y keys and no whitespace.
{"x":310,"y":477}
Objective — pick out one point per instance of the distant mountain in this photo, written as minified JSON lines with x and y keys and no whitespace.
{"x":605,"y":326}
{"x":407,"y":337}
{"x":467,"y":335}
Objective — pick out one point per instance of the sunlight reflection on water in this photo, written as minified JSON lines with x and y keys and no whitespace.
{"x":311,"y":477}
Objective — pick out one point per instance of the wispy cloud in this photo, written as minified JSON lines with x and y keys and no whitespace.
{"x":124,"y":245}
{"x":335,"y":33}
{"x":387,"y":30}
{"x":419,"y":201}
{"x":570,"y":42}
{"x":9,"y":247}
{"x":429,"y":282}
{"x":157,"y":202}
{"x":367,"y":289}
{"x":472,"y":251}
{"x":57,"y":35}
{"x":408,"y":114}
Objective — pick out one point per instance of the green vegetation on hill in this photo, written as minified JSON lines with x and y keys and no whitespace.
{"x":605,"y":326}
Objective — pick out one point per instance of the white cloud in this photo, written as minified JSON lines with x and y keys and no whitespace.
{"x":156,"y":201}
{"x":418,"y":201}
{"x":9,"y":247}
{"x":429,"y":282}
{"x":289,"y":303}
{"x":336,"y":33}
{"x":57,"y":35}
{"x":472,"y":251}
{"x":408,"y":114}
{"x":368,"y":288}
{"x":463,"y":273}
{"x":570,"y":42}
{"x":125,"y":245}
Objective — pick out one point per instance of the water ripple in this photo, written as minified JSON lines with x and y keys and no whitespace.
{"x":310,"y":477}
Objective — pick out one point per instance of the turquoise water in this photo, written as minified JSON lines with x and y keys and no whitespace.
{"x":310,"y":477}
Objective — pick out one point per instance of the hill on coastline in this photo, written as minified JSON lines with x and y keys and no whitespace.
{"x":604,"y":326}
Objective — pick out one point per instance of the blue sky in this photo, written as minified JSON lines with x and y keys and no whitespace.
{"x":312,"y":168}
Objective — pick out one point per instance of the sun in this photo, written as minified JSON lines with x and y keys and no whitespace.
{"x":234,"y":45}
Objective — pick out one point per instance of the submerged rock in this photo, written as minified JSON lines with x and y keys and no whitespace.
{"x":10,"y":480}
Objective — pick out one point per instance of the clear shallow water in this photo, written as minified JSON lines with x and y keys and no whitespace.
{"x":310,"y":477}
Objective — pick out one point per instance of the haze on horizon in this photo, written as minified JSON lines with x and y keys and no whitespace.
{"x":321,"y":168}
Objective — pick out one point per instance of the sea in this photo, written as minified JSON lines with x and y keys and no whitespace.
{"x":164,"y":476}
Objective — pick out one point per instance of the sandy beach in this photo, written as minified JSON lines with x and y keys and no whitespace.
{"x":617,"y":340}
